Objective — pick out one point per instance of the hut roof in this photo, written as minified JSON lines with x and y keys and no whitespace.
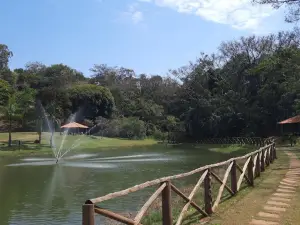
{"x":74,"y":125}
{"x":295,"y":119}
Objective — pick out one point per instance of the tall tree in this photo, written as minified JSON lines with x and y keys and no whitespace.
{"x":5,"y":55}
{"x":91,"y":101}
{"x":292,"y":5}
{"x":11,"y":112}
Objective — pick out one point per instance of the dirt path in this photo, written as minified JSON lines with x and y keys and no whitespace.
{"x":279,"y":202}
{"x":274,"y":200}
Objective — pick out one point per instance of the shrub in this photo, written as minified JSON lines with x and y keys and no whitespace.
{"x":150,"y":129}
{"x":131,"y":128}
{"x":158,"y":135}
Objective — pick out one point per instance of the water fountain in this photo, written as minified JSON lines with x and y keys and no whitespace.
{"x":87,"y":160}
{"x":60,"y":152}
{"x":66,"y":177}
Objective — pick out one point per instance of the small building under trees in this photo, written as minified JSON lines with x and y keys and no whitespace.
{"x":290,"y":125}
{"x":75,"y":128}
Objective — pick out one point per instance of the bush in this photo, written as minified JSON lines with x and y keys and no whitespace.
{"x":150,"y":129}
{"x":177,"y":137}
{"x":131,"y":128}
{"x":113,"y":129}
{"x":158,"y":135}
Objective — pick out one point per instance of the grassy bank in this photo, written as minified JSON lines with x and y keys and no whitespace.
{"x":84,"y":143}
{"x":186,"y":185}
{"x":232,"y":210}
{"x":78,"y":142}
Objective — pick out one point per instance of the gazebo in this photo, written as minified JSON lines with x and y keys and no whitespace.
{"x":75,"y":127}
{"x":292,"y":124}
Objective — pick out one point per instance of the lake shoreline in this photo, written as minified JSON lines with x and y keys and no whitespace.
{"x":48,"y":152}
{"x":113,"y":165}
{"x":88,"y":143}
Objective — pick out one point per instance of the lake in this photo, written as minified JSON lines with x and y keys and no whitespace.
{"x":35,"y":190}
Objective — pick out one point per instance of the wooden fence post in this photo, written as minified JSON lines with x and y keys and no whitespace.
{"x":258,"y":167}
{"x":271,"y":154}
{"x":166,"y":205}
{"x":233,"y":178}
{"x":250,"y":171}
{"x":262,"y":164}
{"x":268,"y":157}
{"x":88,"y":215}
{"x":207,"y":193}
{"x":275,"y":154}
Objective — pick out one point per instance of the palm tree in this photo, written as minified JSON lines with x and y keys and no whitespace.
{"x":11,"y":112}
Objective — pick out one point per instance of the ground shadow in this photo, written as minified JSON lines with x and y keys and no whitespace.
{"x":25,"y":146}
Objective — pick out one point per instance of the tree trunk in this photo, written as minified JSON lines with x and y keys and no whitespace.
{"x":41,"y":130}
{"x":9,"y":137}
{"x":52,"y":134}
{"x":9,"y":132}
{"x":51,"y":140}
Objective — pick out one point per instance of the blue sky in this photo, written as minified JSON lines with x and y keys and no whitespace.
{"x":149,"y":36}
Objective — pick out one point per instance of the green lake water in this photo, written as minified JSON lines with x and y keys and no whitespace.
{"x":36,"y":191}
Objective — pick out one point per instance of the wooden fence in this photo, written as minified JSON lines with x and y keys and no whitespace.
{"x":253,"y":164}
{"x":257,"y":141}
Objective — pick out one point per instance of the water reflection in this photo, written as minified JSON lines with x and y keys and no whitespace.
{"x":95,"y":162}
{"x":34,"y":163}
{"x":54,"y":188}
{"x":136,"y":160}
{"x":38,"y":191}
{"x":128,"y":156}
{"x":37,"y":159}
{"x":89,"y":165}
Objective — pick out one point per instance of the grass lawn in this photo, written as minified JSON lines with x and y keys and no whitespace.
{"x":94,"y":143}
{"x":89,"y":143}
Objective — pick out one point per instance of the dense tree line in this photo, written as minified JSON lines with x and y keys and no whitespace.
{"x":244,"y":88}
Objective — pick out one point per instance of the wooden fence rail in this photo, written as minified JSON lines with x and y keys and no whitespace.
{"x":254,"y":163}
{"x":236,"y":140}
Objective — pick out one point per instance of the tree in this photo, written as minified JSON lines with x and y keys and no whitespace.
{"x":5,"y":55}
{"x":11,"y":112}
{"x":55,"y":107}
{"x":102,"y":124}
{"x":5,"y":91}
{"x":60,"y":76}
{"x":292,"y":5}
{"x":90,"y":101}
{"x":51,"y":113}
{"x":244,"y":88}
{"x":26,"y":101}
{"x":131,"y":128}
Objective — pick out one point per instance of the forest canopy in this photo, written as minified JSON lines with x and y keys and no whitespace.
{"x":244,"y":88}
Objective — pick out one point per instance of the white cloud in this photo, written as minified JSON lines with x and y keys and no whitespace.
{"x":137,"y":16}
{"x":134,"y":14}
{"x":239,"y":14}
